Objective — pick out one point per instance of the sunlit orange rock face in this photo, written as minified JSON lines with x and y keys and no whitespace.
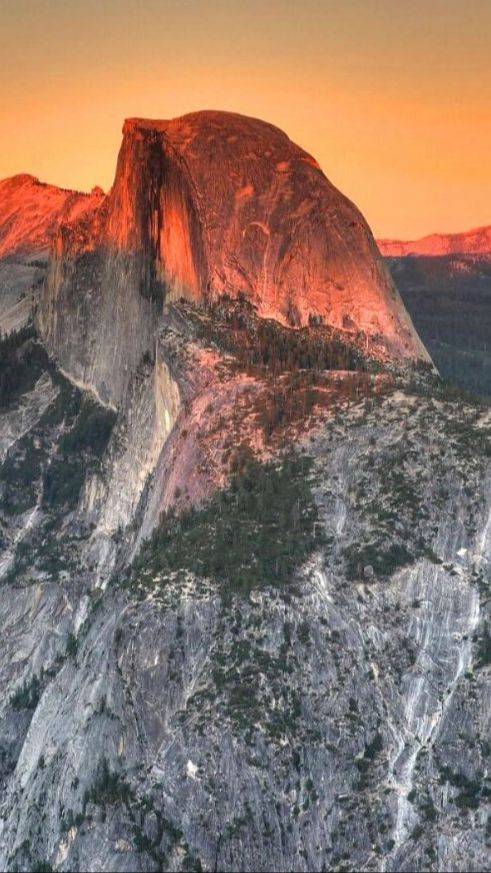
{"x":219,"y":203}
{"x":31,"y":213}
{"x":203,"y":205}
{"x":471,"y":242}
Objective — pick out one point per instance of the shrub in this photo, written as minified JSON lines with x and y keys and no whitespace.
{"x":484,"y":649}
{"x":22,"y":362}
{"x":79,"y":448}
{"x":108,"y":787}
{"x":258,"y":531}
{"x":266,"y":346}
{"x":385,"y":560}
{"x":72,"y":645}
{"x":27,"y":697}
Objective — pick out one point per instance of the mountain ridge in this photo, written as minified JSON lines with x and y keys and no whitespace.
{"x":445,"y":282}
{"x":476,"y":241}
{"x":246,"y":601}
{"x":215,"y":202}
{"x":31,"y":212}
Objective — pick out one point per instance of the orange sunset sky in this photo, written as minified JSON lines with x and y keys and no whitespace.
{"x":393,"y":97}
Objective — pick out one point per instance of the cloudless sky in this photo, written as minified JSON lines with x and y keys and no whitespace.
{"x":393,"y":97}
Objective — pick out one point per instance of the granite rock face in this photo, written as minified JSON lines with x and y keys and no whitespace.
{"x":31,"y":213}
{"x":339,"y":722}
{"x":169,"y":715}
{"x":212,"y":203}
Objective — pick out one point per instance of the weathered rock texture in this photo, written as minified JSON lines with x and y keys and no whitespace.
{"x":31,"y":213}
{"x":207,"y":204}
{"x":336,"y":718}
{"x":340,"y":723}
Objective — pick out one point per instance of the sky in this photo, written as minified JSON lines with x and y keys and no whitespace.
{"x":392,"y":97}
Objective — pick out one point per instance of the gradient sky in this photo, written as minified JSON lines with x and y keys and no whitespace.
{"x":393,"y":97}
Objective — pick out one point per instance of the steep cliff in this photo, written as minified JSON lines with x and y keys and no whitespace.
{"x":31,"y":213}
{"x":294,"y":674}
{"x":445,"y":282}
{"x":205,"y":713}
{"x":246,"y":563}
{"x":203,"y":205}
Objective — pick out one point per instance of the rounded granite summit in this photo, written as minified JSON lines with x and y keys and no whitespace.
{"x":209,"y":204}
{"x":227,"y":203}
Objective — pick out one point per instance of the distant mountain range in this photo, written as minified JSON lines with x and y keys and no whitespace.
{"x":470,"y":242}
{"x":445,"y":282}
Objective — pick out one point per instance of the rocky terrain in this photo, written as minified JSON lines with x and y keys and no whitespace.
{"x":31,"y":213}
{"x":210,"y":204}
{"x":445,"y":282}
{"x":245,"y":562}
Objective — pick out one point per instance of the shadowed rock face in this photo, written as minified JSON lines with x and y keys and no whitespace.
{"x":445,"y":283}
{"x":31,"y":213}
{"x":449,"y":300}
{"x":205,"y":204}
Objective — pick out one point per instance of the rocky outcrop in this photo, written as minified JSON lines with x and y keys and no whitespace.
{"x":337,"y":722}
{"x":203,"y":205}
{"x":31,"y":213}
{"x":470,"y":242}
{"x":236,"y":206}
{"x":297,"y":676}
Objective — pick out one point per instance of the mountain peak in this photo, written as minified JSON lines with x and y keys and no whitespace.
{"x":216,"y":202}
{"x":32,"y":211}
{"x":20,"y":179}
{"x":203,"y":118}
